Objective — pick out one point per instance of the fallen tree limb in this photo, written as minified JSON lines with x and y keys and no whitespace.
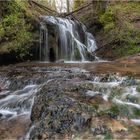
{"x":104,"y":45}
{"x":45,"y":8}
{"x":89,"y":4}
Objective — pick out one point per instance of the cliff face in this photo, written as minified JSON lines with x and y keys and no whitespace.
{"x":115,"y":25}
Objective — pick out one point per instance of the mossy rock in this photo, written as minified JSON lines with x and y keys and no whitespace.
{"x":138,"y":88}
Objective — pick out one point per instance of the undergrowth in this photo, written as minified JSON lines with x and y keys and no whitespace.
{"x":15,"y":28}
{"x":119,"y":21}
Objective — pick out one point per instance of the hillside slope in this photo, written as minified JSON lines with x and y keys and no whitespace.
{"x":116,"y":27}
{"x":19,"y":31}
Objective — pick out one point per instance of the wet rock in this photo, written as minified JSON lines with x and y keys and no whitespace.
{"x":109,"y":78}
{"x":129,"y":81}
{"x":70,"y":103}
{"x":138,"y":88}
{"x":90,"y":93}
{"x":100,"y":130}
{"x":57,"y":113}
{"x":44,"y":136}
{"x":1,"y":115}
{"x":60,"y":61}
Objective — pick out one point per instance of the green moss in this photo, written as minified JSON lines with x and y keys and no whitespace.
{"x":115,"y":92}
{"x":86,"y":17}
{"x":2,"y":31}
{"x":124,"y":111}
{"x":77,"y":54}
{"x":114,"y":110}
{"x":77,"y":4}
{"x":120,"y":110}
{"x":108,"y":19}
{"x":138,"y":88}
{"x":132,"y":99}
{"x":129,"y":81}
{"x":108,"y":136}
{"x":15,"y":28}
{"x":118,"y":22}
{"x":136,"y":112}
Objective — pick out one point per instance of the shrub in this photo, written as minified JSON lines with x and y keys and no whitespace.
{"x":15,"y":27}
{"x":117,"y":20}
{"x":108,"y":19}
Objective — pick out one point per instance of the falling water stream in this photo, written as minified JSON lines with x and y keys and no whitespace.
{"x":15,"y":107}
{"x":73,"y":42}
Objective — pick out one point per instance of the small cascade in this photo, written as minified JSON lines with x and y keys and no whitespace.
{"x":65,"y":39}
{"x":13,"y":104}
{"x":56,"y":100}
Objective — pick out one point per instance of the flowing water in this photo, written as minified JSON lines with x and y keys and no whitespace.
{"x":15,"y":110}
{"x":56,"y":102}
{"x":73,"y":42}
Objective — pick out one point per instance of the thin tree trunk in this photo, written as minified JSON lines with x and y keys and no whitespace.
{"x":68,"y":6}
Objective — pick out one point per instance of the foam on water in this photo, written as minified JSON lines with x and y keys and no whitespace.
{"x":18,"y":102}
{"x":136,"y":121}
{"x":117,"y":101}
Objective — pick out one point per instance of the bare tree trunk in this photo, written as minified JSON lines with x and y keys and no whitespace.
{"x":30,"y":2}
{"x":68,"y":6}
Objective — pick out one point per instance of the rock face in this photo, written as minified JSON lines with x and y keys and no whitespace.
{"x":11,"y":57}
{"x":114,"y":25}
{"x":7,"y":58}
{"x":62,"y":38}
{"x":58,"y":115}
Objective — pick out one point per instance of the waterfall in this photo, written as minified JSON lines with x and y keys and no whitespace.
{"x":65,"y":39}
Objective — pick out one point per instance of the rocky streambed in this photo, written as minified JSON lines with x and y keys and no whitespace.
{"x":68,"y":101}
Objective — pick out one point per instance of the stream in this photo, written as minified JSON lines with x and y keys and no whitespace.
{"x":43,"y":101}
{"x":78,"y":97}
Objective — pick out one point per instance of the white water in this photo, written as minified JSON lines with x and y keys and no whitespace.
{"x":27,"y":136}
{"x":117,"y":101}
{"x":136,"y":121}
{"x":112,"y":84}
{"x":18,"y":102}
{"x":73,"y":41}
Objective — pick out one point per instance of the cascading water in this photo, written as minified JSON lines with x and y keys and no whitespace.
{"x":15,"y":110}
{"x":64,"y":39}
{"x":46,"y":102}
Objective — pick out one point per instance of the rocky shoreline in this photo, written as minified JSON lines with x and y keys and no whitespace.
{"x":74,"y":103}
